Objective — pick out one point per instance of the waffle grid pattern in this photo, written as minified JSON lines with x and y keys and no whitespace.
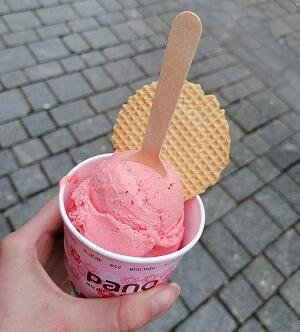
{"x":197,"y":143}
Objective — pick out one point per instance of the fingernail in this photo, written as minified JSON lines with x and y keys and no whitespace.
{"x":176,"y":286}
{"x":164,"y":299}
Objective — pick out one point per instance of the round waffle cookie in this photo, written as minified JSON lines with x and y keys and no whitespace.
{"x":197,"y":142}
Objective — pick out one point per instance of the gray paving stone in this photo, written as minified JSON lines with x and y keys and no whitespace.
{"x":132,"y":14}
{"x":129,"y":3}
{"x":209,"y":318}
{"x":209,"y":47}
{"x":21,"y":213}
{"x":75,"y":43}
{"x":3,"y":28}
{"x":289,"y":190}
{"x":98,"y":146}
{"x":83,"y":24}
{"x":30,"y":151}
{"x":29,"y":180}
{"x":252,"y":325}
{"x":214,"y":211}
{"x":267,"y":100}
{"x":59,"y":140}
{"x":294,"y":172}
{"x":111,"y":18}
{"x":38,"y":124}
{"x":124,"y":71}
{"x":290,"y":96}
{"x":11,"y":133}
{"x":15,"y":58}
{"x":7,"y":194}
{"x":123,"y":32}
{"x":285,"y":154}
{"x":20,"y":38}
{"x":57,"y":166}
{"x":274,"y":132}
{"x":8,"y":163}
{"x":284,"y":252}
{"x":279,"y":28}
{"x":52,"y":31}
{"x":277,"y":316}
{"x":241,"y":154}
{"x":112,"y":115}
{"x":247,"y":116}
{"x":22,"y":21}
{"x":14,"y":79}
{"x":150,"y":62}
{"x":111,"y":99}
{"x":141,"y":45}
{"x":213,"y":82}
{"x":250,"y":224}
{"x":235,"y":131}
{"x":292,"y":121}
{"x":256,"y":143}
{"x":235,"y":73}
{"x":44,"y":71}
{"x":56,"y":14}
{"x":263,"y":277}
{"x":12,"y":105}
{"x":48,"y":50}
{"x":140,"y":28}
{"x":100,"y":38}
{"x":176,"y":314}
{"x":231,"y":256}
{"x":199,"y":283}
{"x":264,"y":169}
{"x":93,"y":58}
{"x":91,"y":128}
{"x":71,"y":112}
{"x":157,"y":24}
{"x":4,"y":9}
{"x":17,"y":5}
{"x":111,"y":5}
{"x":98,"y":79}
{"x":291,"y":290}
{"x":70,"y":87}
{"x":158,"y":41}
{"x":4,"y":228}
{"x":210,"y":65}
{"x":119,"y":52}
{"x":73,"y":63}
{"x":241,"y":89}
{"x":138,"y":84}
{"x":48,"y":3}
{"x":39,"y":96}
{"x":229,"y":169}
{"x":278,"y":209}
{"x":88,"y":8}
{"x":240,"y":298}
{"x":242,"y":183}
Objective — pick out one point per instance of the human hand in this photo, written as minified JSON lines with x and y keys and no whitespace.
{"x":33,"y":286}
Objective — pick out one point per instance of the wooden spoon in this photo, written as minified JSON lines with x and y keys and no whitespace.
{"x":182,"y":43}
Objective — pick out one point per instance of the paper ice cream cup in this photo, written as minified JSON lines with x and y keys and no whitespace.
{"x":96,"y":272}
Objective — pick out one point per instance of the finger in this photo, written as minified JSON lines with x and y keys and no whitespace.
{"x":47,"y":220}
{"x":125,"y":313}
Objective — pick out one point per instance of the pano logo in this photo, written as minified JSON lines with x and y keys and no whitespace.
{"x":116,"y":287}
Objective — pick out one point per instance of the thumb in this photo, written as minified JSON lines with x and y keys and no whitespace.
{"x":126,"y":313}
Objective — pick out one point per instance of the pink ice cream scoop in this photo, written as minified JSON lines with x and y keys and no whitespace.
{"x":128,"y":208}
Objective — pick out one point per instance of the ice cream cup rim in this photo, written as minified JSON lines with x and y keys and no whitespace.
{"x":120,"y":257}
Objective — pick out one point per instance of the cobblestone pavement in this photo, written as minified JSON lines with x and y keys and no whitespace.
{"x":65,"y":68}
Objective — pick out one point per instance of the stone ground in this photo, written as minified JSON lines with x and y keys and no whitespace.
{"x":65,"y":68}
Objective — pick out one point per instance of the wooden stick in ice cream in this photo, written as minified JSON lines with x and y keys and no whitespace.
{"x":182,"y":43}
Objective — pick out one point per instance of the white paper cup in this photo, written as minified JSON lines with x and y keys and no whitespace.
{"x":96,"y":272}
